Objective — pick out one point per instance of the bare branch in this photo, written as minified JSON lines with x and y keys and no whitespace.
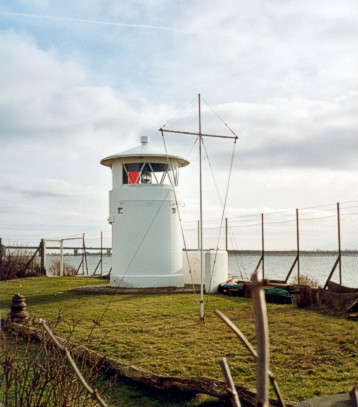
{"x":234,"y":397}
{"x":253,"y":352}
{"x":67,"y":353}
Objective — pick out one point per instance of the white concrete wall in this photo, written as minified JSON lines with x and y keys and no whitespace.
{"x":216,"y":269}
{"x":191,"y":270}
{"x":146,"y":237}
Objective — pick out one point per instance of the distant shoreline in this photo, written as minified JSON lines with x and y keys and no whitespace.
{"x":240,"y":252}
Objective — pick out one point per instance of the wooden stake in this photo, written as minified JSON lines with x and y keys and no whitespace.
{"x":253,"y":352}
{"x":262,"y":338}
{"x":234,"y":397}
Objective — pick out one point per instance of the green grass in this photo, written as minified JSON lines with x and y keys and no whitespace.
{"x":312,"y":353}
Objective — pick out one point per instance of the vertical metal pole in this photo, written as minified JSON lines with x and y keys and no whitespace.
{"x":339,"y":244}
{"x":298,"y":245}
{"x":202,"y":311}
{"x":226,"y":235}
{"x":198,"y":234}
{"x":263,"y":245}
{"x":61,"y":258}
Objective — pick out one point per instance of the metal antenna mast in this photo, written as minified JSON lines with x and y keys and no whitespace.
{"x":202,"y":311}
{"x":200,"y":135}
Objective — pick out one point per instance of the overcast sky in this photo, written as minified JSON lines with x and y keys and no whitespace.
{"x":83,"y":80}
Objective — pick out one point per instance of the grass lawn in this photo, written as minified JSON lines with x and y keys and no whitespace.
{"x":312,"y":353}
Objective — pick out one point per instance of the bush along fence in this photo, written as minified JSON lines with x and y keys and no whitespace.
{"x":22,"y":261}
{"x":49,"y":257}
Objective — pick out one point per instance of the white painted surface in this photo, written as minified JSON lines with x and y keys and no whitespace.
{"x":146,"y":235}
{"x":146,"y":281}
{"x":147,"y":244}
{"x":141,"y":154}
{"x":191,"y":270}
{"x":215,"y":269}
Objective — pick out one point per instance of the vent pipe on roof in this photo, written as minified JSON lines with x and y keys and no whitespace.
{"x":144,"y":139}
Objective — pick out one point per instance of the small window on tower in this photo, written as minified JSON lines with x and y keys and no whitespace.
{"x":120,"y":211}
{"x":174,"y":210}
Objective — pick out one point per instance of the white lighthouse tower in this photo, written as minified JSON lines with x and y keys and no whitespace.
{"x":143,"y":203}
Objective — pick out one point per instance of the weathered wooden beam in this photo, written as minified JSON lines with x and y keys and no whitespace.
{"x":185,"y":385}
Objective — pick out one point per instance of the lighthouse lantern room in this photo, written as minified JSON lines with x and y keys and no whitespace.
{"x":143,"y":205}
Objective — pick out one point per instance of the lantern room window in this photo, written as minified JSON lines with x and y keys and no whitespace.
{"x":150,"y":173}
{"x":131,"y":173}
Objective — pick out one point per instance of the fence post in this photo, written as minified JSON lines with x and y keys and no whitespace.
{"x":298,"y":245}
{"x":263,"y":245}
{"x":101,"y":253}
{"x":84,"y":255}
{"x":43,"y":253}
{"x":339,"y":244}
{"x":61,"y":258}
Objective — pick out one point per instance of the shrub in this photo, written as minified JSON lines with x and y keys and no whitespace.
{"x":19,"y":263}
{"x":68,"y":270}
{"x":307,"y":291}
{"x":305,"y":281}
{"x":38,"y":374}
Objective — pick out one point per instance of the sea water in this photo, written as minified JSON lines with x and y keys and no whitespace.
{"x":316,"y":266}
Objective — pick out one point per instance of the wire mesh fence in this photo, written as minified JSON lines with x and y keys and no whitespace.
{"x":61,"y":256}
{"x":318,"y":242}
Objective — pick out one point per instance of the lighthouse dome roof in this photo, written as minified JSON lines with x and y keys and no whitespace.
{"x":142,"y":153}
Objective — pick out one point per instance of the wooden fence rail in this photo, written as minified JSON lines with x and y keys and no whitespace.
{"x":40,"y":251}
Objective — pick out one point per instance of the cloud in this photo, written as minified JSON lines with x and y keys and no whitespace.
{"x":45,"y":97}
{"x":55,"y":127}
{"x":74,"y":20}
{"x":75,"y":89}
{"x":261,"y":51}
{"x":41,"y":189}
{"x":296,"y":134}
{"x":30,"y":81}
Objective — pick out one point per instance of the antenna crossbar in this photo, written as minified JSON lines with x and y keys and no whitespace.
{"x":200,"y":135}
{"x":197,"y":134}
